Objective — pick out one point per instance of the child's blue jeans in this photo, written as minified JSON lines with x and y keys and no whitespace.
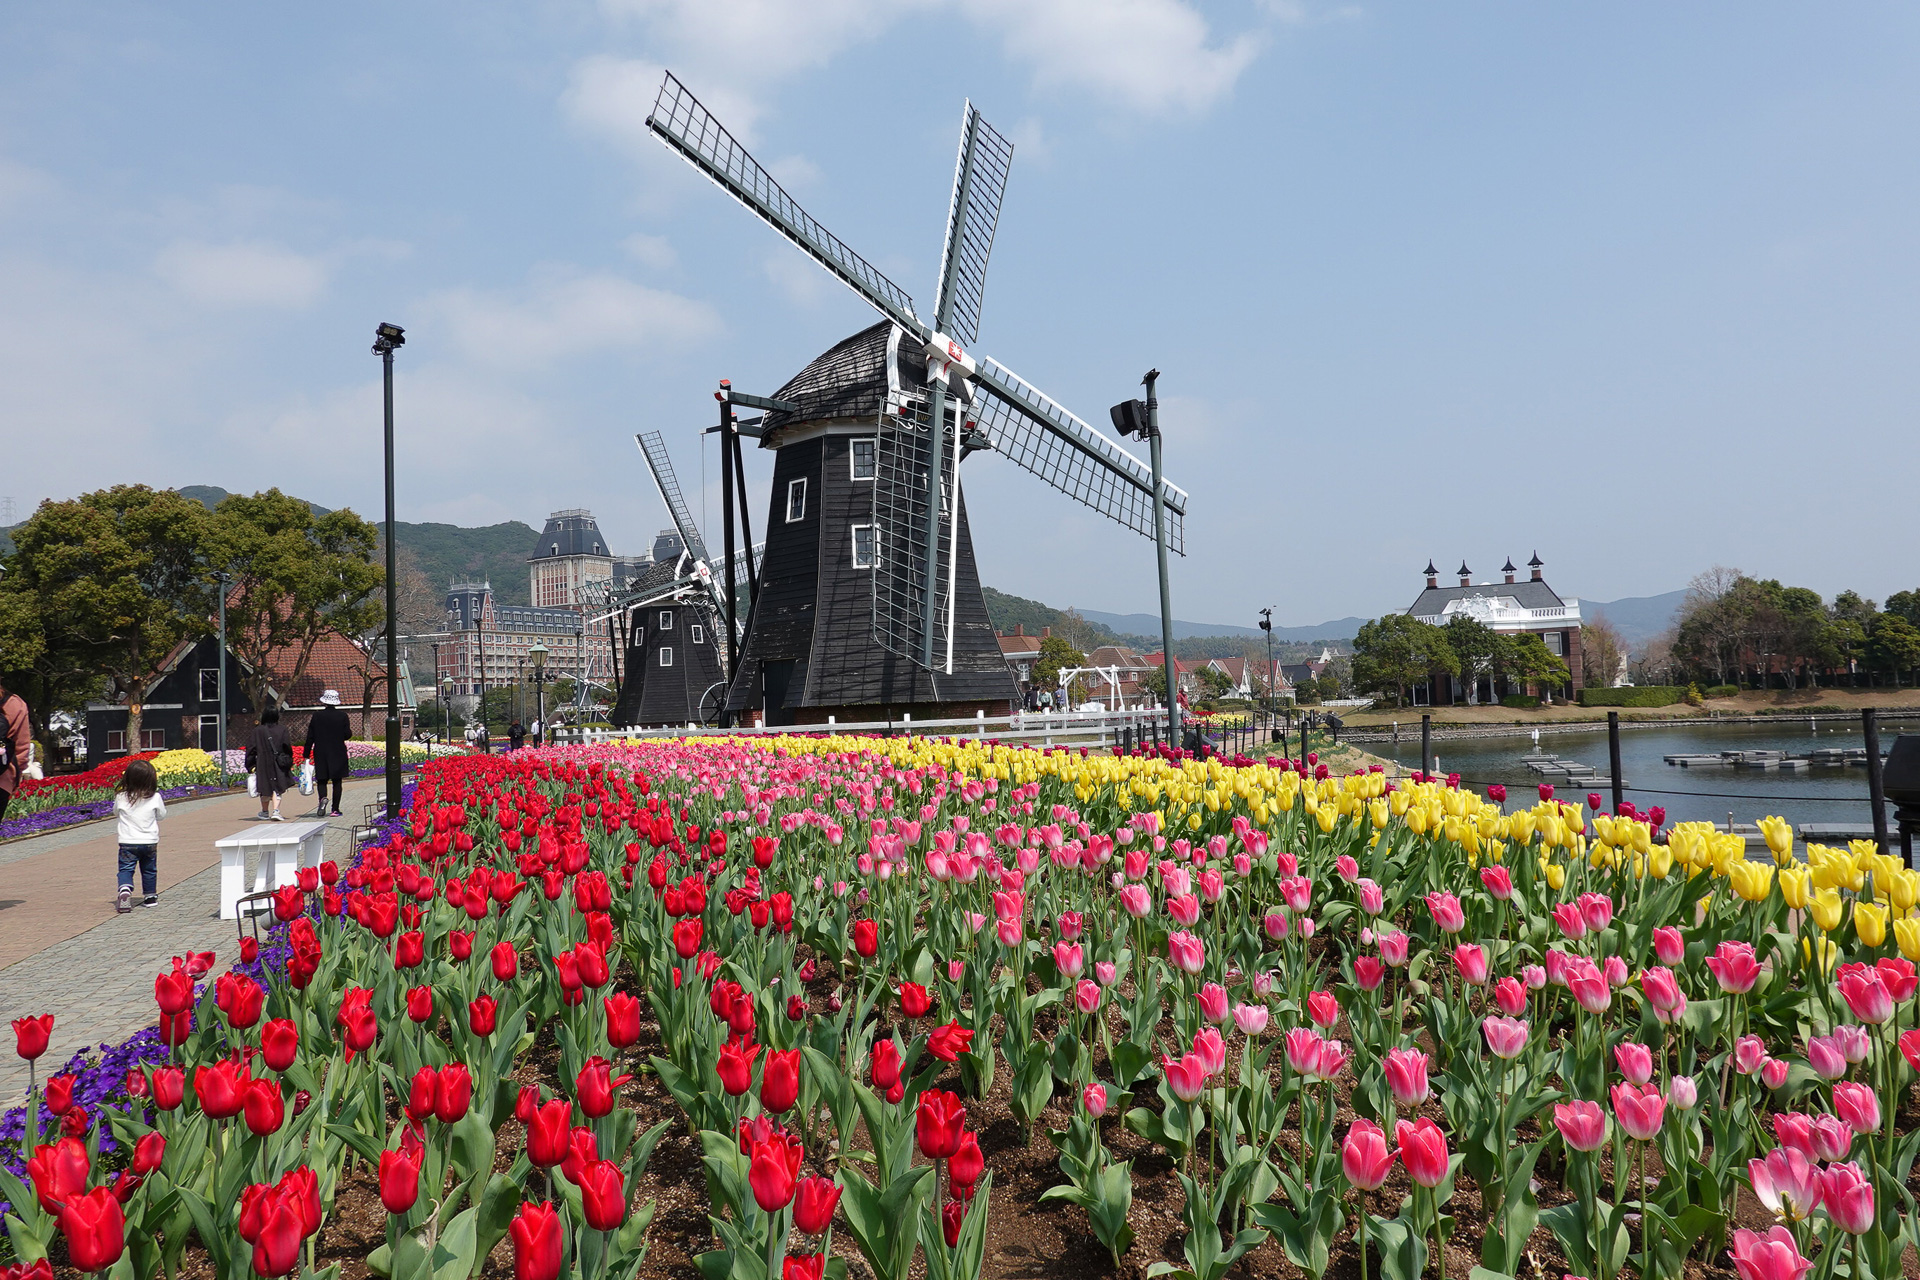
{"x":147,"y":857}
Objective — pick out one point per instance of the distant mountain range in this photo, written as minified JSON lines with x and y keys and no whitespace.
{"x":1148,"y":624}
{"x":1638,"y":619}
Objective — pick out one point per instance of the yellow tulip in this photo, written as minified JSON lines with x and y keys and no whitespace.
{"x":1870,"y":922}
{"x":1417,"y":820}
{"x":1659,"y":861}
{"x":1826,"y":907}
{"x":1750,"y":881}
{"x":1796,"y":884}
{"x":1779,"y":834}
{"x":1520,"y":826}
{"x":1903,"y":889}
{"x":1824,"y":949}
{"x":1556,"y":877}
{"x":1906,"y":936}
{"x":1377,"y":812}
{"x":1325,"y":816}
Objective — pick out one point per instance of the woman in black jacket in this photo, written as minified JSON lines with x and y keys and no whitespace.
{"x":327,"y":734}
{"x":270,"y":760}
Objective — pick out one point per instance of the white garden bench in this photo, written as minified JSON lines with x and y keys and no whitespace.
{"x":279,"y":849}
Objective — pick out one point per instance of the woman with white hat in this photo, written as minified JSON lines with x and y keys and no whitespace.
{"x":327,"y":734}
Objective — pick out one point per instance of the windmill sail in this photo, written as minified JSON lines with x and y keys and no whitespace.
{"x":654,"y":447}
{"x":979,"y":183}
{"x":901,"y":576}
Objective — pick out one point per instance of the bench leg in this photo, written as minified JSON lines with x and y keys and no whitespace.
{"x":233,"y":881}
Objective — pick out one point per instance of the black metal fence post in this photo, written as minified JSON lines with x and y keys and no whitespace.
{"x":1613,"y":758}
{"x":1876,"y":784}
{"x":1426,"y":742}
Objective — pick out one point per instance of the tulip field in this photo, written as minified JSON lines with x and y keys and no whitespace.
{"x":801,"y":1007}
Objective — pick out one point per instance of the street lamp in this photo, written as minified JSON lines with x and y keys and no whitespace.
{"x":1142,"y":418}
{"x":387,"y":339}
{"x":1266,"y":625}
{"x":538,"y":656}
{"x":223,"y":579}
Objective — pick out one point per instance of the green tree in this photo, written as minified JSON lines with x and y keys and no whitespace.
{"x":116,"y":580}
{"x":1055,"y":652}
{"x":1905,"y":604}
{"x":1393,"y":653}
{"x":1893,"y":645}
{"x":1601,"y":651}
{"x":296,"y":578}
{"x":1528,"y":661}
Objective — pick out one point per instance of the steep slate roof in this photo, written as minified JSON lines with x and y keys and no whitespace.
{"x":1529,"y":594}
{"x":848,"y":380}
{"x":576,"y":532}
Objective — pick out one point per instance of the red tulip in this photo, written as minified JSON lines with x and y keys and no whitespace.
{"x":279,"y":1043}
{"x":264,"y":1107}
{"x":420,"y":1004}
{"x":952,"y":1216}
{"x":30,"y":1035}
{"x":1423,"y":1150}
{"x":866,"y":938}
{"x":968,"y":1163}
{"x":409,"y":950}
{"x":221,"y":1089}
{"x":460,"y":944}
{"x":506,"y":961}
{"x":623,"y":1019}
{"x":735,"y":1067}
{"x":399,"y":1180}
{"x":174,"y":991}
{"x":814,"y":1202}
{"x":885,"y":1071}
{"x":95,"y":1228}
{"x":803,"y":1266}
{"x":949,"y":1042}
{"x":58,"y":1171}
{"x":538,"y":1241}
{"x":456,"y":1092}
{"x":59,"y":1094}
{"x":686,"y":938}
{"x":1323,"y":1008}
{"x":481,"y":1014}
{"x":424,"y":1094}
{"x":914,"y":1000}
{"x":595,"y":1085}
{"x":603,"y":1194}
{"x":780,"y":1080}
{"x":592,"y":964}
{"x":938,"y":1123}
{"x":169,"y":1087}
{"x":550,"y":1133}
{"x":1471,"y":961}
{"x":1368,"y":973}
{"x":149,"y":1152}
{"x":1186,"y":1077}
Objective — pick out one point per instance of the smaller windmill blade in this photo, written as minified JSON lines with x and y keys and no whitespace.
{"x":1049,"y":440}
{"x":979,"y":183}
{"x":683,"y":124}
{"x":655,"y":448}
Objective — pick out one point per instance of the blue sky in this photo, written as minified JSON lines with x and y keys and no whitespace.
{"x":1630,"y":284}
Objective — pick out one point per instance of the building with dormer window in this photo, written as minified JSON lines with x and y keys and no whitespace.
{"x":1508,"y":607}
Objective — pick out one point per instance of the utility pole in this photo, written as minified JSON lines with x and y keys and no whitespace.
{"x":1160,"y":550}
{"x":387,"y":339}
{"x":223,"y":579}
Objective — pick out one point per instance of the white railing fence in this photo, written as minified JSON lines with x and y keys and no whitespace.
{"x":1069,"y":728}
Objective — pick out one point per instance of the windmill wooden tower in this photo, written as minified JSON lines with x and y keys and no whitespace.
{"x":868,"y":603}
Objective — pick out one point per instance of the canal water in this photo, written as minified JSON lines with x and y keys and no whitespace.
{"x":1819,"y":794}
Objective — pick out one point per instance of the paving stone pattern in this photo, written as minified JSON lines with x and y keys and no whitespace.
{"x":99,"y":984}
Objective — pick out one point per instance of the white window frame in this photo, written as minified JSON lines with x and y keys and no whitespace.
{"x":666,"y":655}
{"x":1556,"y":643}
{"x":696,"y":633}
{"x":873,"y":550}
{"x":666,"y":620}
{"x":873,"y":459}
{"x":116,"y":739}
{"x":204,"y":673}
{"x":796,"y":489}
{"x":210,"y":722}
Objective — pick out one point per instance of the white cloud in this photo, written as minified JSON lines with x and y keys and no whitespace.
{"x":563,"y":312}
{"x":650,"y":251}
{"x":242,"y":273}
{"x":796,"y":277}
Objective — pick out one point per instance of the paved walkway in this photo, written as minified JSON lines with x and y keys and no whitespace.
{"x":65,"y":950}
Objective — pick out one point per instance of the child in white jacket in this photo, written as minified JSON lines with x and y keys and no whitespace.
{"x":139,"y":807}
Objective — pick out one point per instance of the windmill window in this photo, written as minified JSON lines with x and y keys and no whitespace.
{"x":666,"y":657}
{"x":863,"y":548}
{"x":864,"y":453}
{"x":666,"y":619}
{"x":796,"y":499}
{"x":696,"y":633}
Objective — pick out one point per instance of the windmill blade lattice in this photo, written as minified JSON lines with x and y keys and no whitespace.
{"x":655,"y":448}
{"x":979,"y":183}
{"x":1048,"y":440}
{"x":690,"y":129}
{"x":900,"y":574}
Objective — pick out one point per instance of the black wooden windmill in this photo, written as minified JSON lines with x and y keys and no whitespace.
{"x":868,"y":599}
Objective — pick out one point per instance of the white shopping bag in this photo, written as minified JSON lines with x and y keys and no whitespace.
{"x":253,"y":784}
{"x":306,"y":778}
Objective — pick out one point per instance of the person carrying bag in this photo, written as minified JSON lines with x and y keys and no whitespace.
{"x":270,"y":760}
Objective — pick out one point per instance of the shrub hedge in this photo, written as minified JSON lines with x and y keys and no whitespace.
{"x":1650,"y":695}
{"x":1723,"y":691}
{"x":1520,"y":702}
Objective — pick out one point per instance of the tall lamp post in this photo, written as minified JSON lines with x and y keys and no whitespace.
{"x":1142,"y":418}
{"x":538,"y":656}
{"x":223,"y":579}
{"x":387,"y":339}
{"x":580,"y":665}
{"x":1266,"y":625}
{"x":446,"y":708}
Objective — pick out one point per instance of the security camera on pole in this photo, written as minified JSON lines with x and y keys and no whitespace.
{"x":1142,"y":418}
{"x":387,"y":339}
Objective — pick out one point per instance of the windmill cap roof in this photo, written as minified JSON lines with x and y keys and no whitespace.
{"x":849,"y":379}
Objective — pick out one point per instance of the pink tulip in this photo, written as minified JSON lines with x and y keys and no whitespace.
{"x":1322,"y":1008}
{"x":1615,"y":970}
{"x":1373,"y":899}
{"x":1086,"y":996}
{"x":1186,"y":952}
{"x":1683,"y":1093}
{"x":1297,"y":892}
{"x":1213,"y":885}
{"x":1069,"y":959}
{"x":1584,"y":980}
{"x":1786,"y":1183}
{"x":1773,"y":1073}
{"x":1506,"y":1037}
{"x":1832,"y":1139}
{"x":1498,"y":882}
{"x":1213,"y":1003}
{"x":1010,"y":932}
{"x":1346,"y":868}
{"x":1094,"y":1099}
{"x":1105,"y":971}
{"x":1794,"y":1131}
{"x":1136,"y":901}
{"x":1211,"y":1050}
{"x":1365,"y":1157}
{"x":1847,"y":1197}
{"x":1639,"y":1109}
{"x":1303,"y":1050}
{"x":1251,"y":1018}
{"x":1447,"y":914}
{"x":1663,"y":994}
{"x":1276,"y":925}
{"x":1749,"y":1052}
{"x":1582,"y":1125}
{"x":1368,"y":973}
{"x":1853,"y":1041}
{"x":1406,"y":1072}
{"x":1510,"y":994}
{"x":1866,"y":994}
{"x":1185,"y":909}
{"x":1535,"y":976}
{"x":1423,"y":1150}
{"x":1772,"y":1256}
{"x":1556,"y":962}
{"x":1735,"y":967}
{"x":1187,"y":1078}
{"x":1305,"y":926}
{"x":1668,"y":945}
{"x":1858,"y":1105}
{"x":1824,"y":1056}
{"x":1572,"y":923}
{"x":1393,"y":948}
{"x":1598,"y":910}
{"x":1635,"y":1062}
{"x":1471,"y":961}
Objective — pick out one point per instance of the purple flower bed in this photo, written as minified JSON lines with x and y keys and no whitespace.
{"x":101,"y":1082}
